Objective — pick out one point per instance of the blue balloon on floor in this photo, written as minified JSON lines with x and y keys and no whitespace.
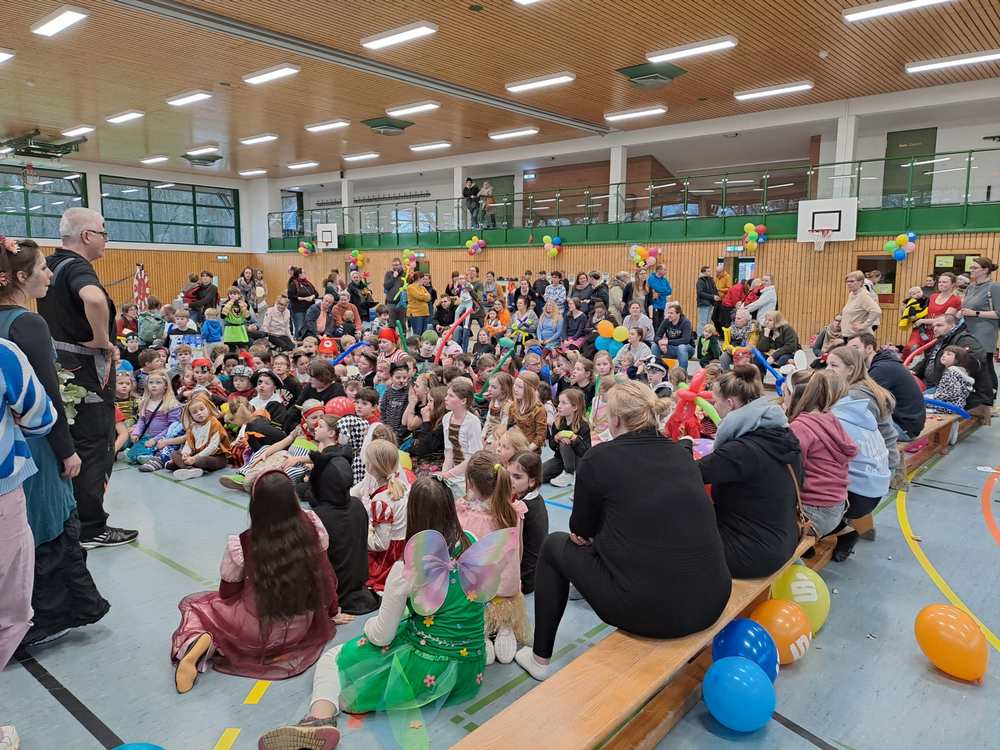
{"x":749,"y":639}
{"x":738,"y":694}
{"x":139,"y":746}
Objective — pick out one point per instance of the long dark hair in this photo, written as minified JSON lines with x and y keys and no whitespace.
{"x":23,"y":261}
{"x":431,"y":505}
{"x":286,"y":552}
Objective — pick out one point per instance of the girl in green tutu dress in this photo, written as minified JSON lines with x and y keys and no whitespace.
{"x":235,"y":313}
{"x":425,"y":648}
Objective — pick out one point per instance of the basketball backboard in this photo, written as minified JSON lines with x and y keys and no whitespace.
{"x":326,"y":236}
{"x":838,"y":216}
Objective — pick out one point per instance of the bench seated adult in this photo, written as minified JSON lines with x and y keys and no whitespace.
{"x":645,"y":553}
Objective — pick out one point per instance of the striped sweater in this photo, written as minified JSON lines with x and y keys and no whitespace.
{"x":25,"y":410}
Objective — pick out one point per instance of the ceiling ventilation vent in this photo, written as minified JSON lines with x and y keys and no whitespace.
{"x":203,"y":160}
{"x":652,"y":75}
{"x":387,"y":125}
{"x":30,"y":145}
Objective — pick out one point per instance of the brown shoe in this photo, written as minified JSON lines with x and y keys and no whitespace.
{"x":232,"y":483}
{"x":299,"y":737}
{"x":186,"y":672}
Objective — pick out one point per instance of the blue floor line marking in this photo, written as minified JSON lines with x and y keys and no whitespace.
{"x":559,"y":505}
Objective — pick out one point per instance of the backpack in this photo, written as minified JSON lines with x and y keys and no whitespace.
{"x":150,"y":327}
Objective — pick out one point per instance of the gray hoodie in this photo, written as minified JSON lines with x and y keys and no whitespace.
{"x":868,"y":473}
{"x":758,"y":414}
{"x":885,"y":426}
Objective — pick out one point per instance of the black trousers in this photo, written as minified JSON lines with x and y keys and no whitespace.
{"x":94,"y":439}
{"x":65,"y":595}
{"x":565,"y":459}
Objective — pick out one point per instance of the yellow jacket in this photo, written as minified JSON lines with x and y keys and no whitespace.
{"x":418,"y":301}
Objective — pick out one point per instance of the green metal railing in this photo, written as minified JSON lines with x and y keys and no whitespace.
{"x":959,"y":179}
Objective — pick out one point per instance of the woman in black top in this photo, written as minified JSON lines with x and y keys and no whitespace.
{"x":750,"y":470}
{"x":301,"y":295}
{"x":645,"y":553}
{"x":576,"y":322}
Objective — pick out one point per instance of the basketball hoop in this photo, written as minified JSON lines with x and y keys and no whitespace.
{"x":29,"y":177}
{"x":820,"y":236}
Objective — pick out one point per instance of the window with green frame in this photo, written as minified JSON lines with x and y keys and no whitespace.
{"x":168,"y":213}
{"x":35,"y":211}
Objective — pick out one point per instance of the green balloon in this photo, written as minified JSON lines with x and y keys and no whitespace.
{"x":506,"y":343}
{"x":752,"y":236}
{"x":891,"y":246}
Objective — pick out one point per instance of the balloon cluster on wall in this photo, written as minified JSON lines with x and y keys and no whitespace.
{"x":902,"y":245}
{"x":643,"y":256}
{"x":306,"y":248}
{"x":754,"y":236}
{"x":610,"y":338}
{"x":552,"y":245}
{"x":358,"y":260}
{"x":409,"y":262}
{"x":475,"y":245}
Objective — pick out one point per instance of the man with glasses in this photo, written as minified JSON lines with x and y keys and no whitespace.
{"x":862,"y":313}
{"x":81,"y":319}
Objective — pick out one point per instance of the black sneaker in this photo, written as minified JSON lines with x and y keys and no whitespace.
{"x":110,"y":537}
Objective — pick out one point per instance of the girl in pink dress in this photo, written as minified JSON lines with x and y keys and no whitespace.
{"x":488,"y":506}
{"x":273,"y":613}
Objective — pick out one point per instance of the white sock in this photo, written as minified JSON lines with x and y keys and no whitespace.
{"x":526,"y":658}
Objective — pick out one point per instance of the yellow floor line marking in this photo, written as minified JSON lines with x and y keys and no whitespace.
{"x":931,"y":571}
{"x":257,"y":692}
{"x":228,"y":739}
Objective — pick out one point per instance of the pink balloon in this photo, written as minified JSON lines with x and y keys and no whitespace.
{"x":910,"y":247}
{"x":653,"y":252}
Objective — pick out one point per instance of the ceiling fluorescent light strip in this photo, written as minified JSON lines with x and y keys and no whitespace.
{"x":398,"y":36}
{"x":255,"y":139}
{"x":271,"y":74}
{"x":412,"y":109}
{"x":127,"y":116}
{"x":164,"y":186}
{"x":972,"y":58}
{"x":303,"y":165}
{"x":690,"y":50}
{"x":208,"y":148}
{"x":437,"y":145}
{"x":885,"y":8}
{"x":361,"y":157}
{"x":322,"y":127}
{"x":503,"y":135}
{"x":631,"y":114}
{"x":78,"y":130}
{"x":785,"y":88}
{"x":159,"y":159}
{"x":539,"y":82}
{"x":253,"y":172}
{"x":60,"y":20}
{"x":189,"y":97}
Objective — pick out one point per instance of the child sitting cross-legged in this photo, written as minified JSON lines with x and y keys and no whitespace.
{"x":569,"y":438}
{"x":155,"y":434}
{"x":206,"y":443}
{"x":273,"y":613}
{"x":383,"y":493}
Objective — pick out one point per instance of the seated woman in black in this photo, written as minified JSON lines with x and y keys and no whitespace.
{"x":645,"y":553}
{"x":750,"y":473}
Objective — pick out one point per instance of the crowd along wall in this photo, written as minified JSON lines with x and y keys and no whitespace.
{"x":810,"y":284}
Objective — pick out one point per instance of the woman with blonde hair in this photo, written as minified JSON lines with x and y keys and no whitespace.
{"x":383,"y":492}
{"x":778,"y":341}
{"x":646,"y":555}
{"x":550,"y":326}
{"x":527,"y":412}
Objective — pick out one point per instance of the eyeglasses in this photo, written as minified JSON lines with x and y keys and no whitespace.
{"x":103,"y":233}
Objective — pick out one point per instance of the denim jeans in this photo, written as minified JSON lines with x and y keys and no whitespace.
{"x":298,"y":323}
{"x":419,"y":324}
{"x":681,"y":352}
{"x":704,"y":316}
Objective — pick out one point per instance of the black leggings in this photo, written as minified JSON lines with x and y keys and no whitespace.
{"x":564,"y":460}
{"x":858,"y":506}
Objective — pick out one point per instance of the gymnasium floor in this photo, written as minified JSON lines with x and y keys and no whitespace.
{"x":863,"y":685}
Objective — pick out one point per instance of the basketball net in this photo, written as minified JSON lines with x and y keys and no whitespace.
{"x":820,"y":237}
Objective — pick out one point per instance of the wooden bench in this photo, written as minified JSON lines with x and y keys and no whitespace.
{"x":626,"y":691}
{"x":941,"y":431}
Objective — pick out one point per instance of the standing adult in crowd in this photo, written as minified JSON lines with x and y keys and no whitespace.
{"x":674,"y":337}
{"x":301,"y":295}
{"x":361,"y":295}
{"x":555,"y":292}
{"x":489,"y":219}
{"x":886,"y":368}
{"x":80,"y":315}
{"x":392,"y":286}
{"x":660,"y":291}
{"x":616,"y":295}
{"x":638,"y":291}
{"x":646,"y":556}
{"x":707,"y":295}
{"x":767,"y":297}
{"x":732,"y":300}
{"x":861,"y":313}
{"x":981,"y":310}
{"x":539,"y":285}
{"x":245,"y":283}
{"x":418,"y":303}
{"x":471,"y":195}
{"x":64,"y":594}
{"x":723,"y":280}
{"x":206,"y":295}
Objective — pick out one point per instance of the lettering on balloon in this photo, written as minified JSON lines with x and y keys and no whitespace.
{"x":800,"y":646}
{"x":803,"y":589}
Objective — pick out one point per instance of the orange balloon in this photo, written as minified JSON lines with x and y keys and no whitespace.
{"x":952,"y":641}
{"x":788,"y":625}
{"x":605,"y":328}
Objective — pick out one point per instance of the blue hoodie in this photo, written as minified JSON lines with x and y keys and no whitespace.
{"x":662,"y":288}
{"x":868,"y":472}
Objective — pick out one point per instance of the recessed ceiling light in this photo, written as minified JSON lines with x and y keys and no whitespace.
{"x":72,"y":177}
{"x":255,"y":139}
{"x":885,"y":8}
{"x":525,"y":2}
{"x":303,"y":165}
{"x":59,"y":20}
{"x":155,"y":159}
{"x":435,"y":146}
{"x":503,"y":135}
{"x":188,"y":97}
{"x":320,"y":127}
{"x":6,"y":54}
{"x":164,"y":186}
{"x":208,"y":148}
{"x":130,"y":190}
{"x":950,"y":62}
{"x":361,"y":157}
{"x":631,"y":114}
{"x":400,"y":35}
{"x":785,"y":88}
{"x":132,"y":114}
{"x":529,"y":84}
{"x":412,"y":109}
{"x":253,"y":172}
{"x":78,"y":130}
{"x":690,"y":50}
{"x":271,"y":74}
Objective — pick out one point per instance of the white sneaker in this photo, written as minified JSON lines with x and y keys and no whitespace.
{"x":505,"y":645}
{"x":8,"y":738}
{"x":182,"y":474}
{"x":564,"y":480}
{"x":526,"y":658}
{"x":491,"y":654}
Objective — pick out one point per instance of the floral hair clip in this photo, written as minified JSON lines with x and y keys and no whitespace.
{"x":9,"y":245}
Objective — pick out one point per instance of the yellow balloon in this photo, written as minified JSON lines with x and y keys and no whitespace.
{"x":806,"y":588}
{"x":748,"y":227}
{"x":902,"y":239}
{"x":620,"y":334}
{"x":751,"y":245}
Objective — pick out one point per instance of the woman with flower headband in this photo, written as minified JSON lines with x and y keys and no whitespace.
{"x":65,"y":595}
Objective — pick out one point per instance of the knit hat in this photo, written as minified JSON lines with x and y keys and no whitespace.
{"x":242,"y":371}
{"x":387,"y":334}
{"x":328,"y":346}
{"x":201,"y":362}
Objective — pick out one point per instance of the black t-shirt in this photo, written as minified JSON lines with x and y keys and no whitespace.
{"x":62,"y":307}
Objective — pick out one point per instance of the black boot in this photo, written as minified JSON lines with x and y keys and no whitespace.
{"x":845,"y":546}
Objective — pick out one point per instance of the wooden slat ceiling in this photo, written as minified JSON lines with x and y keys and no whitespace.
{"x":120,"y":59}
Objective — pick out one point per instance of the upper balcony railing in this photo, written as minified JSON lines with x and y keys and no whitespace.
{"x":953,"y":178}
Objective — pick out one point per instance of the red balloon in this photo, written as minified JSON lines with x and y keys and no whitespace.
{"x":761,"y":229}
{"x":339,"y":406}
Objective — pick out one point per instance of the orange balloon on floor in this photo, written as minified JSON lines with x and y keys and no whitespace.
{"x":788,"y":625}
{"x":952,"y":641}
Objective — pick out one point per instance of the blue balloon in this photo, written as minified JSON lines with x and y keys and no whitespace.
{"x":343,"y":355}
{"x":779,"y":379}
{"x":911,"y":236}
{"x":947,"y":407}
{"x":899,"y":254}
{"x":139,"y":746}
{"x":762,"y":238}
{"x":749,"y":639}
{"x":614,"y":348}
{"x":738,"y":694}
{"x":557,"y":241}
{"x":603,"y":343}
{"x":546,"y":373}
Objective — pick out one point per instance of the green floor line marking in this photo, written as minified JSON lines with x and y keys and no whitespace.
{"x":182,"y":569}
{"x":457,"y":719}
{"x":200,"y":491}
{"x":565,"y":493}
{"x":884,"y":504}
{"x":471,"y":727}
{"x":122,"y":468}
{"x":843,"y":745}
{"x":600,"y":627}
{"x":504,"y":689}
